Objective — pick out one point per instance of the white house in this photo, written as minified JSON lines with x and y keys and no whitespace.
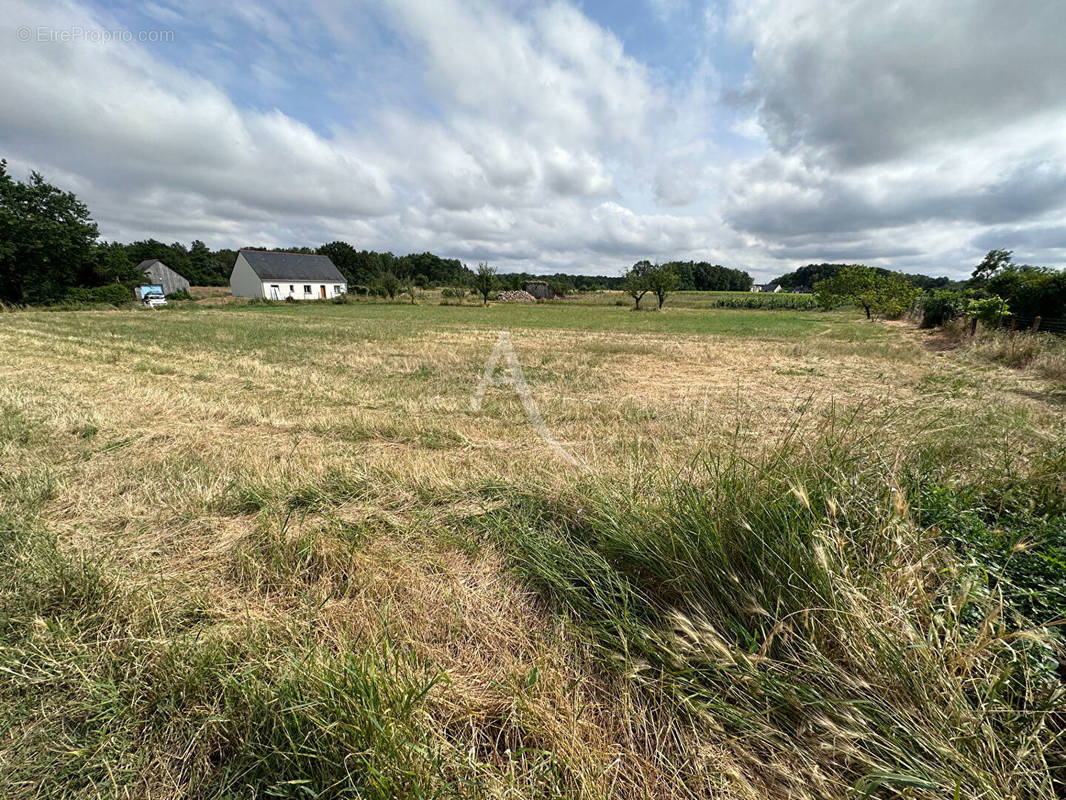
{"x":277,"y":276}
{"x":767,"y":287}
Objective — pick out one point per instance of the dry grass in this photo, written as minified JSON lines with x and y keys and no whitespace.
{"x":1038,"y":354}
{"x":331,"y":474}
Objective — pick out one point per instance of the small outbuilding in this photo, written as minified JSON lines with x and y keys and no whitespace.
{"x":159,"y":274}
{"x":281,"y":276}
{"x":541,"y":290}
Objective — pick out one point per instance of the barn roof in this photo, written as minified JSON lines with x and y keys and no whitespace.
{"x":291,"y":266}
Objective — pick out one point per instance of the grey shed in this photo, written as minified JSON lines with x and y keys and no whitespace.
{"x":160,"y":274}
{"x":541,"y":290}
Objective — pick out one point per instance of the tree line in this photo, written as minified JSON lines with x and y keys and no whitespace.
{"x":50,"y":251}
{"x":997,"y":291}
{"x":805,"y":278}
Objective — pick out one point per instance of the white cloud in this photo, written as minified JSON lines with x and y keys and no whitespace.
{"x":887,"y":120}
{"x":530,"y":136}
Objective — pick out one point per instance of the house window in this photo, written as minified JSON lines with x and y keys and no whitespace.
{"x":336,"y":288}
{"x":307,"y":288}
{"x":291,"y":288}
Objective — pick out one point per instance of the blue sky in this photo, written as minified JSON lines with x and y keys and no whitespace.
{"x":577,"y":136}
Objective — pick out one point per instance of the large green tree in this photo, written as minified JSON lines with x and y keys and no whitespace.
{"x":347,"y":260}
{"x":110,"y":263}
{"x":176,"y":256}
{"x":46,"y":239}
{"x":204,"y":266}
{"x":875,"y":292}
{"x":994,"y":261}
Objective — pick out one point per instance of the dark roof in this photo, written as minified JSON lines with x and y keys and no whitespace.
{"x":291,"y":266}
{"x":147,"y":263}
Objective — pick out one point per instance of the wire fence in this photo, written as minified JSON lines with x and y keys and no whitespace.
{"x":1036,"y":323}
{"x":1009,"y":321}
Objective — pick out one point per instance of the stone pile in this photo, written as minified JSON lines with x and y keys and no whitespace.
{"x":516,"y":297}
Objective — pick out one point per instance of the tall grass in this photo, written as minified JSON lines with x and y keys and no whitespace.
{"x":100,"y":702}
{"x":795,"y":606}
{"x":1042,"y":353}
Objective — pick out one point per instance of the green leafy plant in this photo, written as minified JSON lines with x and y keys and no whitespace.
{"x":890,"y":295}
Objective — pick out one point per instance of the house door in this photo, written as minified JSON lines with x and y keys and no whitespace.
{"x":273,"y":292}
{"x":323,"y":290}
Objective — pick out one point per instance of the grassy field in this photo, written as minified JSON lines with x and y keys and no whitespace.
{"x":269,"y":550}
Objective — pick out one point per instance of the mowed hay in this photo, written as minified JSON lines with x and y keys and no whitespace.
{"x":329,"y":483}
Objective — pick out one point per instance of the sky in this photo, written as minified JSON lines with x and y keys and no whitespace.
{"x":555,"y":136}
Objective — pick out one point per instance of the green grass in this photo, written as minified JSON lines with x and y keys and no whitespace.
{"x":268,"y":551}
{"x":788,"y":598}
{"x":310,"y":331}
{"x":561,"y":316}
{"x":98,"y":704}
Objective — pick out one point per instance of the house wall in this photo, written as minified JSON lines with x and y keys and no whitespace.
{"x":243,"y":282}
{"x":295,"y":289}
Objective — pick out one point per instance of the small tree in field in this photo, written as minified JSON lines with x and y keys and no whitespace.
{"x":662,"y":280}
{"x":484,"y":281}
{"x":390,"y":285}
{"x":635,"y":282}
{"x":873,"y":291}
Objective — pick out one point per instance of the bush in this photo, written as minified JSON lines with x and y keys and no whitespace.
{"x":988,"y":310}
{"x":941,"y":306}
{"x":1021,"y":547}
{"x":112,"y":294}
{"x":180,"y":295}
{"x":452,"y":295}
{"x":1031,"y":291}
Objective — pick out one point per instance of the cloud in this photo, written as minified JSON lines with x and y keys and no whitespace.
{"x":527,"y":115}
{"x":110,"y":112}
{"x":531,"y":135}
{"x":885,"y":118}
{"x":868,"y":81}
